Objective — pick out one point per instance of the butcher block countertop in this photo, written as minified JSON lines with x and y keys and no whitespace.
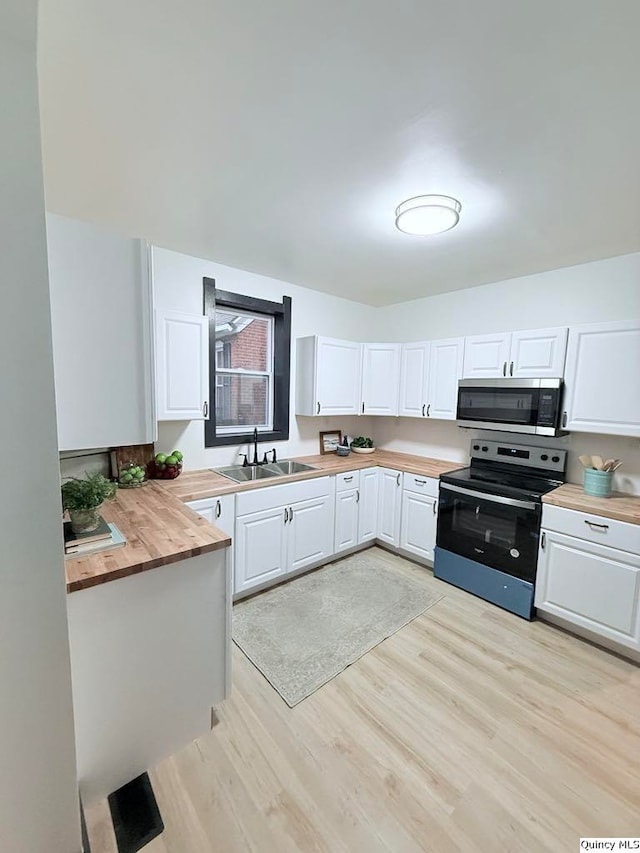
{"x":619,"y":506}
{"x":159,"y":530}
{"x":196,"y":485}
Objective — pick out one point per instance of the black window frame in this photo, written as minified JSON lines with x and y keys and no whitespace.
{"x":281,"y":314}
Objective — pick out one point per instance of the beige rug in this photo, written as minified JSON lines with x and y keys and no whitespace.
{"x":303,"y":633}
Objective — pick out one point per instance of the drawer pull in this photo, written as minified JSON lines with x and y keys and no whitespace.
{"x":594,"y":524}
{"x":348,"y":479}
{"x":419,"y":482}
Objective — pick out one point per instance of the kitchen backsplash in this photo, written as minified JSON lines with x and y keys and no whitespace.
{"x":445,"y":440}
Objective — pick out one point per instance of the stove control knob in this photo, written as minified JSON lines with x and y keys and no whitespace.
{"x":555,"y":458}
{"x":485,"y":448}
{"x":476,"y":447}
{"x":544,"y":457}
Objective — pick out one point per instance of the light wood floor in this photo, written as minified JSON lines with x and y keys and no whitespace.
{"x":468,"y":730}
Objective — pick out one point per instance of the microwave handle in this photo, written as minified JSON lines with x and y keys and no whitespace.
{"x":497,"y":499}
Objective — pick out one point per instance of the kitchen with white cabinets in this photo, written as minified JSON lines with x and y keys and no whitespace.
{"x":417,"y":264}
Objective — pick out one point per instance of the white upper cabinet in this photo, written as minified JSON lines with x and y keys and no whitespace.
{"x":380,"y":379}
{"x":530,"y":353}
{"x":102,"y":326}
{"x":182,"y":366}
{"x":414,"y":367}
{"x":538,"y":352}
{"x":328,"y":376}
{"x":602,"y":379}
{"x":445,"y":369}
{"x":429,"y":378}
{"x":486,"y":356}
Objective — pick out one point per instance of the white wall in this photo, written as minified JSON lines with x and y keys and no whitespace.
{"x":178,"y":286}
{"x":588,"y":293}
{"x":38,"y":791}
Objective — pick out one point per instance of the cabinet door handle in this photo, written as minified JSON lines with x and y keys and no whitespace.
{"x":564,"y":419}
{"x":318,"y":409}
{"x":594,"y":524}
{"x":357,"y":496}
{"x":543,"y":540}
{"x":363,"y":408}
{"x":511,"y":369}
{"x":398,"y":480}
{"x":290,"y":513}
{"x":218,"y":509}
{"x":205,"y":409}
{"x":435,"y":507}
{"x":423,"y":408}
{"x":504,"y":369}
{"x":428,"y":410}
{"x":286,"y":515}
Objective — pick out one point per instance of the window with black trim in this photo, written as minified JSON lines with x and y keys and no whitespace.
{"x":249,"y":363}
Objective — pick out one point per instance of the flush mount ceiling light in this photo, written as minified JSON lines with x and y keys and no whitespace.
{"x":428,"y":214}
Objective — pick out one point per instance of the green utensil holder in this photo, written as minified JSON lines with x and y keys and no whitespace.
{"x":597,"y":483}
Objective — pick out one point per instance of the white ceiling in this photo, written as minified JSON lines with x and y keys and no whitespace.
{"x":279,"y":136}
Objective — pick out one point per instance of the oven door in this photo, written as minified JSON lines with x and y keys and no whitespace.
{"x":500,"y":532}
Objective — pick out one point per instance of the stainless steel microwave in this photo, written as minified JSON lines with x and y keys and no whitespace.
{"x":532,"y":406}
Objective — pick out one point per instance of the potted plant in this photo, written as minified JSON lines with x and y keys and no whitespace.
{"x":83,"y":499}
{"x":362,"y":444}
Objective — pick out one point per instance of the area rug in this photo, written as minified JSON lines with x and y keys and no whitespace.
{"x":303,"y":633}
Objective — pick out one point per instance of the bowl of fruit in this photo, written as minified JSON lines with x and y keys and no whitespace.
{"x":131,"y":476}
{"x":167,"y":466}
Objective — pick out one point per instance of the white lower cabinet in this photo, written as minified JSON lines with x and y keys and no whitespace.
{"x":346,"y":530}
{"x":261,"y":548}
{"x":588,"y":584}
{"x":419,"y":515}
{"x":389,"y":505}
{"x":310,"y":532}
{"x":282,"y":529}
{"x":220,"y":512}
{"x":356,"y":508}
{"x":368,"y":505}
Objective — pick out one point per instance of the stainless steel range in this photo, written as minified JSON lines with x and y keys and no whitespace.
{"x":489,"y":521}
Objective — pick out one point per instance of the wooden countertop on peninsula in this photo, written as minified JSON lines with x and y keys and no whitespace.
{"x":159,"y":530}
{"x":619,"y":506}
{"x":197,"y":485}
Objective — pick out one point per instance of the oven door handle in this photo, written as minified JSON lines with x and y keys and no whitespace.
{"x":497,"y":499}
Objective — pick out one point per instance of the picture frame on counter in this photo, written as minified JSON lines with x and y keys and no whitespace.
{"x":329,"y":441}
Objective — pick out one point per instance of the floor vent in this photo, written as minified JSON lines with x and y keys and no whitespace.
{"x":135,"y":814}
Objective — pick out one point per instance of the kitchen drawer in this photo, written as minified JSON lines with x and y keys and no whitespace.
{"x":269,"y":497}
{"x":348,"y":480}
{"x":592,"y":528}
{"x":420,"y":485}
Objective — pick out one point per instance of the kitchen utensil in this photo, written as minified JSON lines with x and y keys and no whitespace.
{"x":616,"y":464}
{"x":597,"y":462}
{"x":586,"y":461}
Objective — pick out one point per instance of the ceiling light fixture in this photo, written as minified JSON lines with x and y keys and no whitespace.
{"x":428,"y":214}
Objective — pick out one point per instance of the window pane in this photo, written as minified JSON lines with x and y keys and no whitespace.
{"x":243,"y":401}
{"x":243,"y":341}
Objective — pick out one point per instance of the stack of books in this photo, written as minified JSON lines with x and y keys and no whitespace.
{"x":105,"y":537}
